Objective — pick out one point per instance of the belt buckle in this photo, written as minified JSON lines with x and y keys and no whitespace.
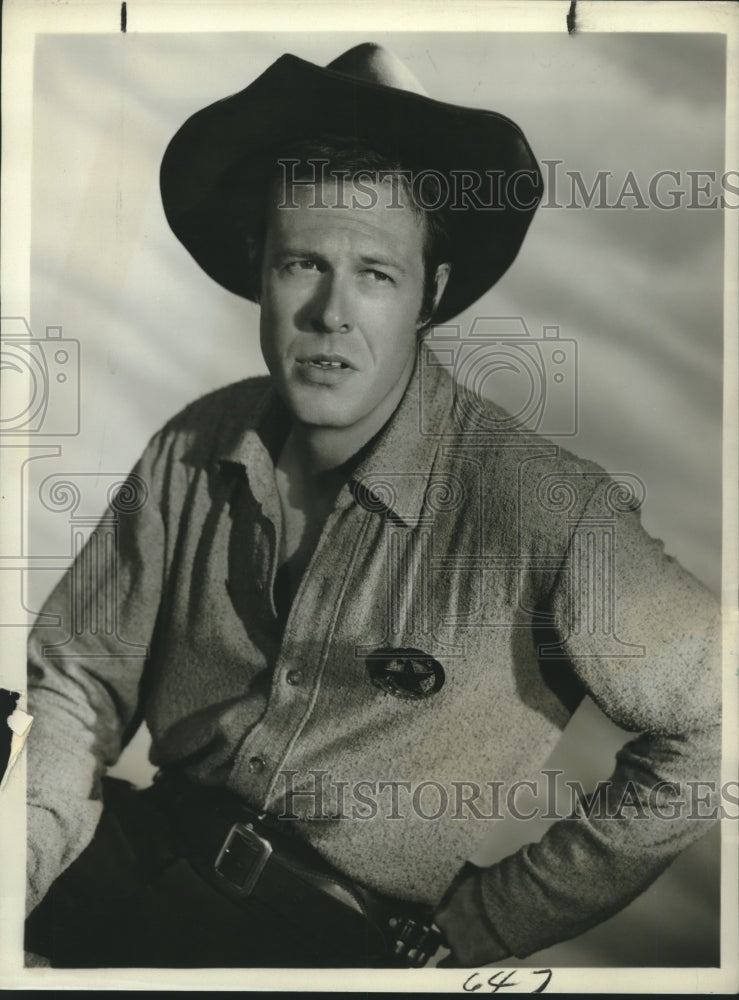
{"x":242,"y":858}
{"x":414,"y":941}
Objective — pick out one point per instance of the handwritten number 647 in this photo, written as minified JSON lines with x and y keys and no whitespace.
{"x":503,"y":979}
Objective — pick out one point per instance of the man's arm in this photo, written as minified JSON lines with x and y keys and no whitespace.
{"x":586,"y":869}
{"x":84,"y":674}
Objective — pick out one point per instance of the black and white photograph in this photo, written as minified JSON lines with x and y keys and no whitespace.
{"x":368,"y":467}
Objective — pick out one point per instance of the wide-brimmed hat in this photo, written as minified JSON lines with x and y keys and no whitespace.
{"x":215,"y":169}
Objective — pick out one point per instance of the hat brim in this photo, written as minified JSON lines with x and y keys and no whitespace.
{"x":218,"y":158}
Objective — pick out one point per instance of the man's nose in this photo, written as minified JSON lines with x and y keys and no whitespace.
{"x":332,"y":307}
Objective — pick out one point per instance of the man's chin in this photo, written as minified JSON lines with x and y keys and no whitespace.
{"x":318,"y":421}
{"x":320,"y":406}
{"x":311,"y":415}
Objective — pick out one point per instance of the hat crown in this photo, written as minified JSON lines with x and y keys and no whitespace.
{"x":374,"y":64}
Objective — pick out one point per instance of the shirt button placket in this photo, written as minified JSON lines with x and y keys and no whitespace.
{"x":313,"y":613}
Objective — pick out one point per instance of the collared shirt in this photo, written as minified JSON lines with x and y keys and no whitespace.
{"x":470,"y":584}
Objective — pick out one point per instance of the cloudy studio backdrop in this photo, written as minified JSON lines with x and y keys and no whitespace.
{"x":635,"y":290}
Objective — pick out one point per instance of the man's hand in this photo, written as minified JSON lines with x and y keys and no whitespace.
{"x":466,"y":927}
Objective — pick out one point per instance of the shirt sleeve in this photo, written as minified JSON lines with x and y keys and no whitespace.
{"x":84,"y":673}
{"x":643,"y":636}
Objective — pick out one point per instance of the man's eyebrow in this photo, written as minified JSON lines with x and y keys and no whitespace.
{"x":283,"y":253}
{"x":372,"y":260}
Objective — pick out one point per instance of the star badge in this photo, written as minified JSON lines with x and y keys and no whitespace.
{"x":405,"y":673}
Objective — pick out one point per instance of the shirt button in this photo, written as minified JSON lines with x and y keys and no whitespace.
{"x":294,"y":677}
{"x":257,"y":764}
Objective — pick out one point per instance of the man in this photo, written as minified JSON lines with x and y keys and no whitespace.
{"x":354,"y":585}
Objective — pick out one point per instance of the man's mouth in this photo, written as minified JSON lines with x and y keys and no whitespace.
{"x":325,"y":362}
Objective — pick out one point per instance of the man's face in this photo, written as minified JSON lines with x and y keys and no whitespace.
{"x":340,"y":298}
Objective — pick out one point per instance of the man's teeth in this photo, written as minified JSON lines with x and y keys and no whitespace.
{"x":325,"y":364}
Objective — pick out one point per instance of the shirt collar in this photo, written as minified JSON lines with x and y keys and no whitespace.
{"x":392,"y":476}
{"x":264,"y":426}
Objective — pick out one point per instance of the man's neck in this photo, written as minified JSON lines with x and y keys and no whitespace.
{"x":322,"y":449}
{"x":313,"y":465}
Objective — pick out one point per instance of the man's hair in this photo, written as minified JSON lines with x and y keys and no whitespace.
{"x":347,"y":159}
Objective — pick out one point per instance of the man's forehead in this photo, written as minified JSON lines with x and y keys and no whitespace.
{"x":350,"y":208}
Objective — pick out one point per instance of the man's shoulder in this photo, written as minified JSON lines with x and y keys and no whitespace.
{"x":534,"y":476}
{"x":507,"y":446}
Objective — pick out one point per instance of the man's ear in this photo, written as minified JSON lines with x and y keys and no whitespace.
{"x":440,"y":279}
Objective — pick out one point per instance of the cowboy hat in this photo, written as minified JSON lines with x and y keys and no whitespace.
{"x":214,"y":170}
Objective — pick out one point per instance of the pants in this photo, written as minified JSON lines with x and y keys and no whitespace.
{"x":132,"y":900}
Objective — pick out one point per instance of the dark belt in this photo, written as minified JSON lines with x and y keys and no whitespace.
{"x":248,"y":856}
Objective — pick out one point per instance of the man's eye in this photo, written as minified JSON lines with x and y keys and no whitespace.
{"x":380,"y":277}
{"x":294,"y":266}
